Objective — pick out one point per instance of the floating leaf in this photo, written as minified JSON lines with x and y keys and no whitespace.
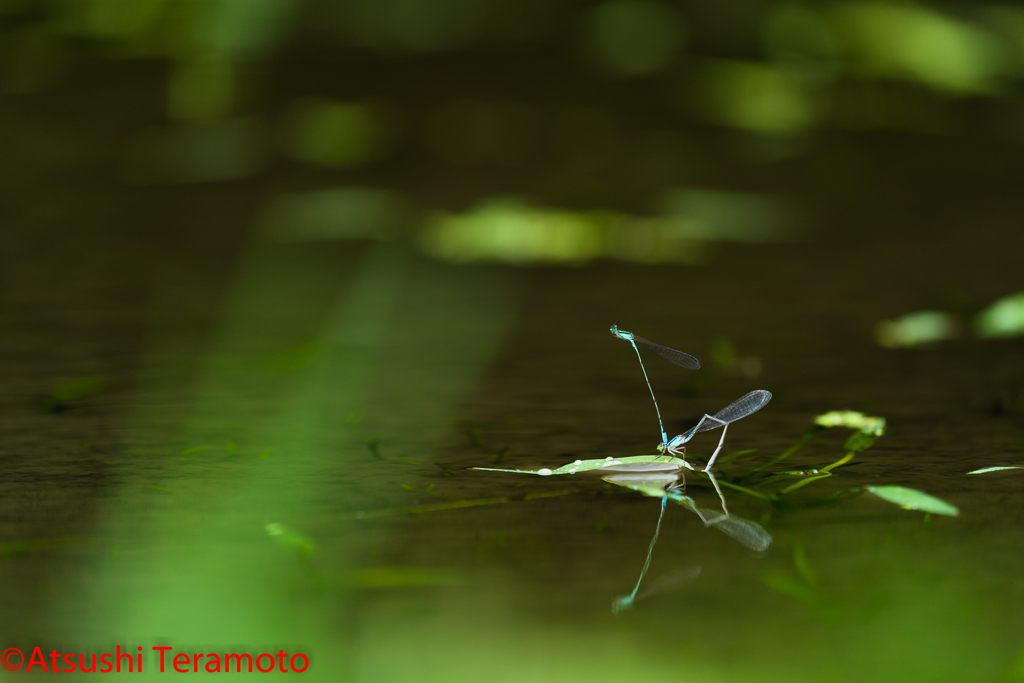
{"x":852,"y":420}
{"x":915,"y":329}
{"x":611,"y":464}
{"x":983,"y":470}
{"x":911,"y":499}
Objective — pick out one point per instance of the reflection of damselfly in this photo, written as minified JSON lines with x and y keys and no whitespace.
{"x":744,"y":531}
{"x":737,"y":410}
{"x":667,"y":485}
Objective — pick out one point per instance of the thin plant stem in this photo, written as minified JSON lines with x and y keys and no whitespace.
{"x":792,"y":449}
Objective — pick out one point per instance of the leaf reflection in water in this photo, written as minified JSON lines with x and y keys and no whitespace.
{"x":665,"y":485}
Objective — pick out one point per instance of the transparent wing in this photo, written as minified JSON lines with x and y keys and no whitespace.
{"x":737,"y":410}
{"x":683,"y":360}
{"x":671,"y":581}
{"x":747,"y":533}
{"x":743,"y":406}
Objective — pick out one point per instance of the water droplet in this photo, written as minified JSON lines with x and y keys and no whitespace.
{"x":608,"y":458}
{"x":544,"y":472}
{"x":572,"y":471}
{"x":578,"y":462}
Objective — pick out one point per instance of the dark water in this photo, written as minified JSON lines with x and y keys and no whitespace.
{"x":341,"y":391}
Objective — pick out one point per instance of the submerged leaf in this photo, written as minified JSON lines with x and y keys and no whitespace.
{"x":983,"y":470}
{"x":911,"y":499}
{"x":609,"y":464}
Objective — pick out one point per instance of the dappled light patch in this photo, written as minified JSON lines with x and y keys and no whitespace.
{"x":755,"y":97}
{"x":509,"y":230}
{"x":915,"y":329}
{"x":851,"y":419}
{"x":915,"y":42}
{"x":512,"y":232}
{"x":1004,"y":318}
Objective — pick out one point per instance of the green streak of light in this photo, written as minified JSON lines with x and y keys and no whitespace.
{"x":403,"y":342}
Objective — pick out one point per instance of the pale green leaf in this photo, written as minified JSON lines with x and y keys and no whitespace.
{"x":983,"y":470}
{"x":911,"y":499}
{"x":852,"y":420}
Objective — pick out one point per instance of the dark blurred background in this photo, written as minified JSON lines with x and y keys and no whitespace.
{"x":526,"y":132}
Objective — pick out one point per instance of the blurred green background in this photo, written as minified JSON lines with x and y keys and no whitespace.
{"x":275,"y":273}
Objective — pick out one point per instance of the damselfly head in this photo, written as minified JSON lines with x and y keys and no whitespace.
{"x":621,"y":334}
